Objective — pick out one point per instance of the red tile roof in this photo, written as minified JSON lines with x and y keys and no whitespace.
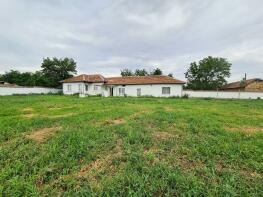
{"x":129,"y":80}
{"x":86,"y":78}
{"x":238,"y":84}
{"x":134,"y":80}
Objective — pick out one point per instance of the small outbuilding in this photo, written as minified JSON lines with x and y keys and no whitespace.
{"x":250,"y":85}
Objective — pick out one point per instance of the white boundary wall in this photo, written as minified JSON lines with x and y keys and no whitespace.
{"x":27,"y":90}
{"x":223,"y":94}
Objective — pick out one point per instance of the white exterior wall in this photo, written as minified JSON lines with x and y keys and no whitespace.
{"x":75,"y":89}
{"x":149,"y":90}
{"x":130,"y":90}
{"x":27,"y":90}
{"x":223,"y":94}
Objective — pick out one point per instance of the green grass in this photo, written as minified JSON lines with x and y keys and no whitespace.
{"x":130,"y":146}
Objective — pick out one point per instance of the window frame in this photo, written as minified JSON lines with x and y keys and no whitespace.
{"x":139,"y":92}
{"x":121,"y":91}
{"x":165,"y":92}
{"x":69,"y":87}
{"x":80,"y":87}
{"x":86,"y":87}
{"x":96,"y":87}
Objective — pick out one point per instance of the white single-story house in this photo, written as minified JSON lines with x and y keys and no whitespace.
{"x":158,"y":86}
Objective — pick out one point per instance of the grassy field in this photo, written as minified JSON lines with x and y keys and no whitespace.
{"x":58,"y":145}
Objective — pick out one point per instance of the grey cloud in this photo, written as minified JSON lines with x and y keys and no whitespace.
{"x":106,"y":36}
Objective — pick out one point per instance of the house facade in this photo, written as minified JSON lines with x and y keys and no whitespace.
{"x":158,"y":86}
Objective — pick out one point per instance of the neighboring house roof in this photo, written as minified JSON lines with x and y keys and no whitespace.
{"x":85,"y":78}
{"x":136,"y":80}
{"x":238,"y":84}
{"x":8,"y":85}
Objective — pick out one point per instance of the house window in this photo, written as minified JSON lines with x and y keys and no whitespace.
{"x":166,"y":90}
{"x":86,"y":87}
{"x":96,"y":87}
{"x":69,"y":88}
{"x":80,"y":87}
{"x":121,"y":91}
{"x":139,"y":91}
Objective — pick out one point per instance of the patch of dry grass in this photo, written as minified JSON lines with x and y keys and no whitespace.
{"x":247,"y":130}
{"x":162,"y":135}
{"x":114,"y":121}
{"x":65,"y":115}
{"x":41,"y":135}
{"x":103,"y":163}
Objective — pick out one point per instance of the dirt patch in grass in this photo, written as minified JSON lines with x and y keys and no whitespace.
{"x":219,"y":167}
{"x":142,"y":112}
{"x":114,"y":121}
{"x":103,"y":164}
{"x":151,"y":150}
{"x":162,"y":135}
{"x":251,"y":174}
{"x":172,"y":109}
{"x":55,"y":108}
{"x":60,"y":115}
{"x":246,"y":130}
{"x":58,"y":107}
{"x":103,"y":160}
{"x":41,"y":135}
{"x":169,"y":109}
{"x":32,"y":115}
{"x":27,"y":110}
{"x":187,"y":164}
{"x":29,"y":116}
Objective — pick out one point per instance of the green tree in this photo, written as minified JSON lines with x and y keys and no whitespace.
{"x":54,"y":70}
{"x":209,"y":74}
{"x":16,"y":77}
{"x":11,"y":77}
{"x":170,"y":75}
{"x":157,"y":71}
{"x":141,"y":72}
{"x":126,"y":72}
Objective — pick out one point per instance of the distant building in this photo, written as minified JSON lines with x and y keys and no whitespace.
{"x":158,"y":86}
{"x":5,"y":84}
{"x":250,"y":85}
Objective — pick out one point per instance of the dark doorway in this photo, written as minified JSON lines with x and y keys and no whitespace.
{"x":111,"y":91}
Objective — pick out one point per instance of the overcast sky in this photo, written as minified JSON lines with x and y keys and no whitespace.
{"x":104,"y":36}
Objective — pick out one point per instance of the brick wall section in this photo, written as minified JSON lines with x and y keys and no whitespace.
{"x":255,"y":87}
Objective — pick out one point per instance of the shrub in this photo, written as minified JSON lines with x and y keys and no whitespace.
{"x":185,"y":96}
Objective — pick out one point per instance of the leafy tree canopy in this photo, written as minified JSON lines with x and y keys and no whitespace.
{"x":126,"y":72}
{"x":56,"y":70}
{"x":157,"y":71}
{"x":53,"y":71}
{"x":140,"y":72}
{"x":16,"y":77}
{"x":209,"y":74}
